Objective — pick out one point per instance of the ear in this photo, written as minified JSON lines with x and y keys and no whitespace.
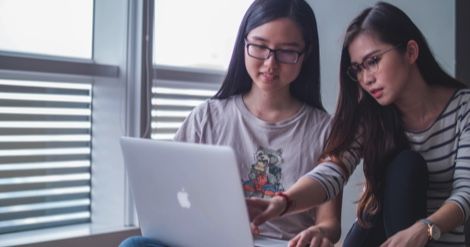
{"x":412,"y":51}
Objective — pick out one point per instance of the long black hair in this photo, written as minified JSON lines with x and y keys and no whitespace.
{"x":380,"y":127}
{"x":306,"y":87}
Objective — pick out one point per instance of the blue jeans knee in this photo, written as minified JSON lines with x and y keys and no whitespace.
{"x":138,"y":241}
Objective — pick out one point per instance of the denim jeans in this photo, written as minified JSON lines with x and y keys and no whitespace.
{"x":138,"y":241}
{"x":406,"y":180}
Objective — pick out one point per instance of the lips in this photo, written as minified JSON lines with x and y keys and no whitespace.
{"x":377,"y":93}
{"x":268,"y":76}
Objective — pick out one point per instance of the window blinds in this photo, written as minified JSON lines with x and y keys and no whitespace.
{"x":45,"y":145}
{"x":175,"y":94}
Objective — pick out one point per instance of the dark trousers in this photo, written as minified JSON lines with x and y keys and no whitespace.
{"x":403,"y":202}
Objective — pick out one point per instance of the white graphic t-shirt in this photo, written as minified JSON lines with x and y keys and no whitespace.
{"x":271,"y":156}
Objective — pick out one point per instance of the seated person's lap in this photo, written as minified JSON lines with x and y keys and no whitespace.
{"x":138,"y":241}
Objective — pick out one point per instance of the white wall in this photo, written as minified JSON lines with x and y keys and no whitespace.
{"x":435,"y":18}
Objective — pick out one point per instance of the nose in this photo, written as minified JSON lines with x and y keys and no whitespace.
{"x":366,"y":77}
{"x":271,"y":60}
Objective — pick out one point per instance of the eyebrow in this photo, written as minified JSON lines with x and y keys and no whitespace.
{"x":258,"y":38}
{"x":368,"y":55}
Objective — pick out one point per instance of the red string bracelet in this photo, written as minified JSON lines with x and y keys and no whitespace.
{"x":288,"y":202}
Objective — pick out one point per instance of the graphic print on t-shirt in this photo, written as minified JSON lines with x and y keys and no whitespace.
{"x":264,"y":178}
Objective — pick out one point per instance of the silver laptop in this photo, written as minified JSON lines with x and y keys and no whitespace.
{"x":189,"y":194}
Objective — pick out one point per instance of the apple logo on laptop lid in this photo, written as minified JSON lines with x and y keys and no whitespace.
{"x":183,"y":198}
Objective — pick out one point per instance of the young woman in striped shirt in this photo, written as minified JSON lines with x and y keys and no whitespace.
{"x":409,"y":122}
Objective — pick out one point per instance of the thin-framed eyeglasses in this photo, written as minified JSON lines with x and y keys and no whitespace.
{"x":262,"y":52}
{"x":370,"y":64}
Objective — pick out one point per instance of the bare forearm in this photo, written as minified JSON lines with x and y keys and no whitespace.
{"x":330,"y":229}
{"x":445,"y":218}
{"x":448,"y":217}
{"x":328,"y":218}
{"x":305,"y":194}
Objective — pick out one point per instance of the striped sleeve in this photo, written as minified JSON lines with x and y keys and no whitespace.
{"x":461,"y":182}
{"x":330,"y":175}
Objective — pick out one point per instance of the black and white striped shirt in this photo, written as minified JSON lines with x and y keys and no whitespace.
{"x":446,"y":148}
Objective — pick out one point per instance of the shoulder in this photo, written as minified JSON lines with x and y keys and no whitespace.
{"x":317,"y":116}
{"x":462,"y":95}
{"x":460,"y":102}
{"x":318,"y":124}
{"x":457,"y":112}
{"x":213,"y":108}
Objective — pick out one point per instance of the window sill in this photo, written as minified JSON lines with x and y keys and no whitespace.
{"x":77,"y":235}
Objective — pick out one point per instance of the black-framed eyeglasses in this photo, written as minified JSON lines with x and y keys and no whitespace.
{"x":262,"y":52}
{"x":370,"y":64}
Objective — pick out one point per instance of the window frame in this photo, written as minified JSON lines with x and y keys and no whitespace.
{"x":115,"y":73}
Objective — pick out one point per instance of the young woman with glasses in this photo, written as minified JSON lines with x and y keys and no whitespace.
{"x":409,"y":122}
{"x":269,"y":110}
